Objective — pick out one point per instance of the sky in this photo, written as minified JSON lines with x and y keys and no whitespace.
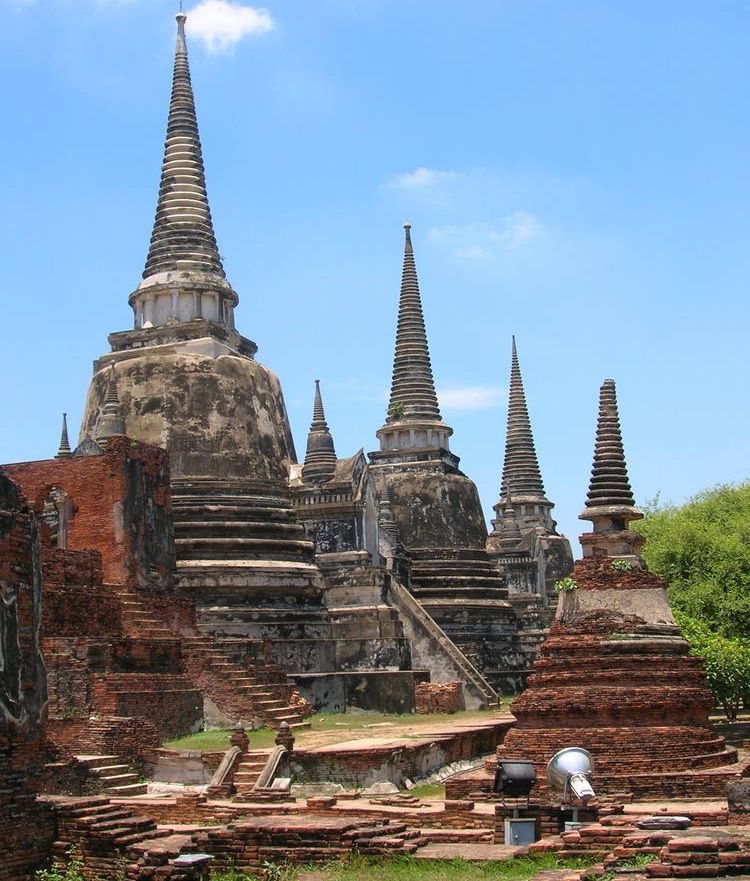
{"x":576,"y":173}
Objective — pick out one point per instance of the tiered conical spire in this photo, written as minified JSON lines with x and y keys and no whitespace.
{"x":609,"y":490}
{"x":64,"y":450}
{"x":110,"y":422}
{"x":320,"y":458}
{"x":183,"y":235}
{"x":521,"y":467}
{"x":412,"y":388}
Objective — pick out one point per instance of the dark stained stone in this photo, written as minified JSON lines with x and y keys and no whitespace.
{"x":665,"y":822}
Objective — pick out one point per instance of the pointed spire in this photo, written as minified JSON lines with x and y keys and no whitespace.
{"x":183,"y":235}
{"x":521,"y":466}
{"x":64,"y":451}
{"x":412,"y":388}
{"x":609,"y":503}
{"x":320,"y":458}
{"x":110,"y":422}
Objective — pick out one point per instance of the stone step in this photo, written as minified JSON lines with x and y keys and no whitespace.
{"x":119,"y":779}
{"x":292,"y":720}
{"x":485,"y":834}
{"x":114,"y":813}
{"x":142,"y":837}
{"x":105,"y":771}
{"x":128,"y":790}
{"x":136,"y":824}
{"x":96,"y":761}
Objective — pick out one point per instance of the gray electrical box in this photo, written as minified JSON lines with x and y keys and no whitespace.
{"x":519,"y":833}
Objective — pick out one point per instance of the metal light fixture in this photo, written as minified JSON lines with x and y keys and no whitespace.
{"x":569,"y":771}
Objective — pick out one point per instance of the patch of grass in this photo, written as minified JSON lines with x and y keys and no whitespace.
{"x":404,"y":868}
{"x":232,"y":874}
{"x":429,"y":790}
{"x":218,"y":740}
{"x":355,"y":721}
{"x":640,"y":859}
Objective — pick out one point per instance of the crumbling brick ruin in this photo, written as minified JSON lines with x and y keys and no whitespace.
{"x":180,"y":569}
{"x":25,"y":826}
{"x":615,"y":676}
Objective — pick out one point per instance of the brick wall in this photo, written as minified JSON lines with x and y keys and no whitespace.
{"x":76,"y":603}
{"x":25,"y":827}
{"x":438,"y":697}
{"x":121,"y":507}
{"x":130,"y":738}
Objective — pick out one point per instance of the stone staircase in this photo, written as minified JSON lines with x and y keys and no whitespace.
{"x":114,"y":775}
{"x":462,"y":590}
{"x":244,"y":692}
{"x":240,"y":691}
{"x":100,"y":830}
{"x":248,"y":771}
{"x":108,"y":836}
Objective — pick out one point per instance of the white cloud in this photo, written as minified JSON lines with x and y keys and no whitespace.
{"x":482,"y":241}
{"x":420,"y":177}
{"x":472,"y":397}
{"x":221,"y":24}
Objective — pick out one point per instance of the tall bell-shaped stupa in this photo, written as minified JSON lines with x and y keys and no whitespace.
{"x":188,"y":381}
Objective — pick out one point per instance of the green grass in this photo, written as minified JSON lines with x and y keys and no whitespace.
{"x":215,"y":741}
{"x":404,"y":868}
{"x":218,"y":740}
{"x":429,"y":790}
{"x":358,"y":721}
{"x":410,"y":869}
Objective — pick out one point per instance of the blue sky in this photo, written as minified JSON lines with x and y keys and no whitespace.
{"x":575,"y":172}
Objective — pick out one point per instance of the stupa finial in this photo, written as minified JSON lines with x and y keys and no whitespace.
{"x":412,"y":387}
{"x":609,"y":503}
{"x":520,"y":465}
{"x":110,"y":422}
{"x":184,"y":277}
{"x":320,"y":457}
{"x":64,"y":450}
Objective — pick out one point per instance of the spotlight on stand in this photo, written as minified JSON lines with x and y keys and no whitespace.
{"x":515,"y":780}
{"x":569,"y":771}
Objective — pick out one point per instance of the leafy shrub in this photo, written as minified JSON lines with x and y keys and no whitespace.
{"x":565,"y":585}
{"x":621,"y":565}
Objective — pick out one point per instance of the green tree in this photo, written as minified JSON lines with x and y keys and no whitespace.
{"x":726,"y":662}
{"x":702,"y":550}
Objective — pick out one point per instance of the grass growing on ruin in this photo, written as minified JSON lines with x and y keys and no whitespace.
{"x":405,"y":868}
{"x":358,"y":721}
{"x":429,"y":790}
{"x":410,"y":869}
{"x":218,"y":740}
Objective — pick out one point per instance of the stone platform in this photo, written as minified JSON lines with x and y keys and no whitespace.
{"x":363,"y":761}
